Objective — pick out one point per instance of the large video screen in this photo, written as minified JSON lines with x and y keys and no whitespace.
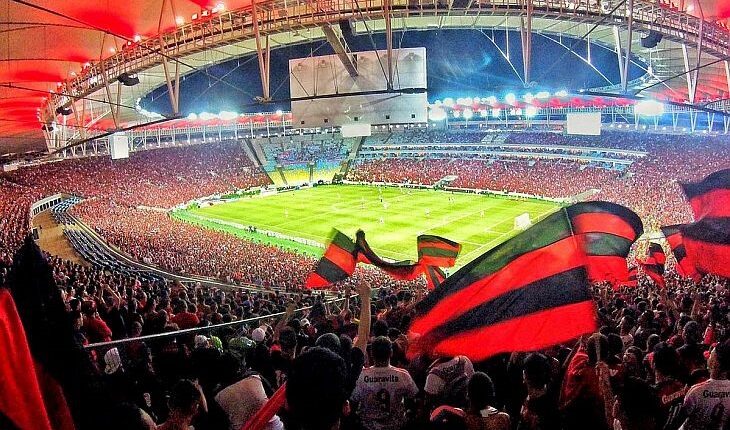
{"x":325,"y":95}
{"x":584,"y":123}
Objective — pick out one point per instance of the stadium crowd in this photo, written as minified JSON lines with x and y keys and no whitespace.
{"x":656,"y":356}
{"x":649,"y":186}
{"x":303,"y":151}
{"x":660,"y":360}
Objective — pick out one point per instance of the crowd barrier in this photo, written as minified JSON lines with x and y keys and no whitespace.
{"x":207,"y":329}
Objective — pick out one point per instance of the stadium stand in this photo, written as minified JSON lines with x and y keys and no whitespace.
{"x":647,"y":183}
{"x":654,"y":344}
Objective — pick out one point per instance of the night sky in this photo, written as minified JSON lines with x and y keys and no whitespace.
{"x":460,"y":63}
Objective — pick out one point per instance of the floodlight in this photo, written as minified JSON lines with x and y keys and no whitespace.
{"x":437,"y":114}
{"x":227,"y":116}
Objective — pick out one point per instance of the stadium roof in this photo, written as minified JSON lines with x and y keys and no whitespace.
{"x":48,"y":42}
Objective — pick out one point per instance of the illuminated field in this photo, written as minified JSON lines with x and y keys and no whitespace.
{"x":478,"y":222}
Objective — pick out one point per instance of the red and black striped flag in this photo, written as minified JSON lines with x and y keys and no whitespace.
{"x":707,"y":240}
{"x":684,"y":267}
{"x":342,"y":255}
{"x":607,"y":231}
{"x":531,"y":291}
{"x":21,"y":399}
{"x":437,"y":251}
{"x":337,"y":264}
{"x":633,"y":280}
{"x":653,"y":264}
{"x":434,"y":277}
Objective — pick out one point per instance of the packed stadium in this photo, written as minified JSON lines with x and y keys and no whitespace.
{"x":365,"y":215}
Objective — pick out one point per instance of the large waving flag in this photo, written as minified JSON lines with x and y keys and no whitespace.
{"x":707,"y":240}
{"x":606,"y":231}
{"x":342,"y":255}
{"x":653,"y":264}
{"x":530,"y":292}
{"x":21,"y":399}
{"x":63,"y":371}
{"x":337,"y":264}
{"x":685,"y":266}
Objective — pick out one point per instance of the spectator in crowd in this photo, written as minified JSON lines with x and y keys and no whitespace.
{"x":480,"y":413}
{"x":186,"y":400}
{"x":447,"y":379}
{"x":243,"y":397}
{"x":316,"y":391}
{"x":126,"y":416}
{"x":707,"y":404}
{"x":383,"y":392}
{"x":540,"y":407}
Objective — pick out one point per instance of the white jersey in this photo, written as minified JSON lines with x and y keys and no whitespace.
{"x":443,"y":374}
{"x":380,"y":392}
{"x":707,"y":405}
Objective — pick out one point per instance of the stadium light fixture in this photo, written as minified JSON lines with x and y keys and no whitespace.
{"x":449,"y":102}
{"x":137,"y":38}
{"x":113,"y":50}
{"x":437,"y":114}
{"x":179,"y":20}
{"x":468,"y":114}
{"x":205,"y":116}
{"x":528,"y":98}
{"x":510,"y":98}
{"x":542,"y":95}
{"x":227,"y":115}
{"x":492,"y":100}
{"x":530,"y":111}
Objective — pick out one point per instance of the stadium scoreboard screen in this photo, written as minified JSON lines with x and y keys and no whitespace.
{"x":119,"y":146}
{"x":325,"y":95}
{"x":584,"y":123}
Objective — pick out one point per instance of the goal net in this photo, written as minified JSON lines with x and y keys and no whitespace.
{"x":522,"y":221}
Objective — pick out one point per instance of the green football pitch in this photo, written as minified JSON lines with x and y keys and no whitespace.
{"x":391,"y":217}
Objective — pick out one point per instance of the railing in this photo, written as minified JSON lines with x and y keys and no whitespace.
{"x":45,"y":204}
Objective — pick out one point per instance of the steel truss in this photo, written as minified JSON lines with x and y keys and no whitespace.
{"x":264,"y":18}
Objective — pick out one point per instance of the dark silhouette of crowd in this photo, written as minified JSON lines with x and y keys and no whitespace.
{"x":657,"y":355}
